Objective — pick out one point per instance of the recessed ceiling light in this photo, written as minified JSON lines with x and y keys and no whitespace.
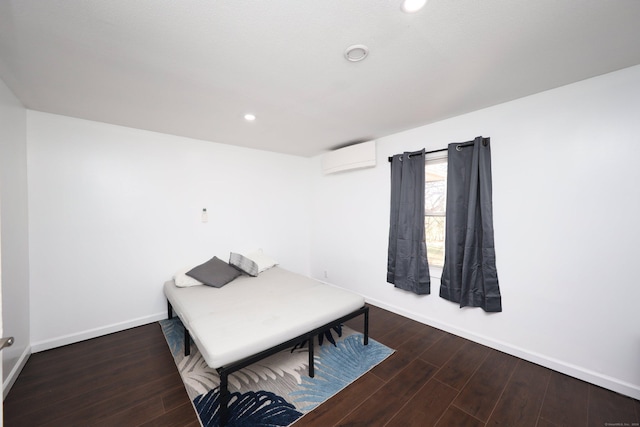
{"x":249,"y":117}
{"x":356,"y":53}
{"x":411,"y":6}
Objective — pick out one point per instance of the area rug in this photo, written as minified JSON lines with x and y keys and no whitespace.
{"x":277,"y":390}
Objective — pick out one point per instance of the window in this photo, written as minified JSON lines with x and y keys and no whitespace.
{"x":435,"y":203}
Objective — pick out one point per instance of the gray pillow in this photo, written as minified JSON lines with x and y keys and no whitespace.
{"x":214,"y":272}
{"x":243,"y":264}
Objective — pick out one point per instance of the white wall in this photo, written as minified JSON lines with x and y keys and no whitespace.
{"x":115,"y":211}
{"x":15,"y":234}
{"x":566,"y":170}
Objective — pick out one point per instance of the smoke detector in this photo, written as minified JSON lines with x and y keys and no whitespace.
{"x":356,"y":52}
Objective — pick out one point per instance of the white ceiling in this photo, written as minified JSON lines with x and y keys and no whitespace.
{"x":195,"y":67}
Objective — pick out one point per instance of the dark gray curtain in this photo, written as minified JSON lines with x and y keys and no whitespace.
{"x":407,"y":266}
{"x":469,"y":275}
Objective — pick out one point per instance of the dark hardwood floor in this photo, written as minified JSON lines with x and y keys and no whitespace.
{"x":434,"y":378}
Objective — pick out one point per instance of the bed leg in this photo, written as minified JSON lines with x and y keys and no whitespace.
{"x":311,"y":359}
{"x":187,"y":342}
{"x":224,"y":399}
{"x":366,"y":325}
{"x":169,"y":310}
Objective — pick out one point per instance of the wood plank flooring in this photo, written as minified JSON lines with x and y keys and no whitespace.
{"x":433,"y":379}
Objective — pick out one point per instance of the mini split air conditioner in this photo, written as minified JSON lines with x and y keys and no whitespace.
{"x":357,"y":156}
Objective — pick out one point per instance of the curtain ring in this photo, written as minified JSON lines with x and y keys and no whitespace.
{"x":458,"y":147}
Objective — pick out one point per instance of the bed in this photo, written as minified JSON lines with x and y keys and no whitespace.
{"x":254,"y":317}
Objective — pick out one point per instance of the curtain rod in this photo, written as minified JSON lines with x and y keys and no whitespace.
{"x":458,"y":147}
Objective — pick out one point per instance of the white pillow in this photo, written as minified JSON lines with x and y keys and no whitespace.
{"x":264,"y":262}
{"x":183,"y":281}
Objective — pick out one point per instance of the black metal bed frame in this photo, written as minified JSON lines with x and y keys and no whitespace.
{"x":225,"y":371}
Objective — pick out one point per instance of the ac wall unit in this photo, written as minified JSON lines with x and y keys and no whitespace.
{"x":356,"y":156}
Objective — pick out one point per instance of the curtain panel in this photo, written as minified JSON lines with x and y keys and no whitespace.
{"x":469,"y":275}
{"x":407,"y":266}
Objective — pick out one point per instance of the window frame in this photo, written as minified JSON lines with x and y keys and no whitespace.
{"x":435,"y":271}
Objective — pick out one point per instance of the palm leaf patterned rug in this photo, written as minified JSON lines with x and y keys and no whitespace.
{"x":277,"y":390}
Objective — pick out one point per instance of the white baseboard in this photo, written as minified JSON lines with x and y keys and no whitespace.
{"x":96,"y":332}
{"x":610,"y":383}
{"x":13,"y":375}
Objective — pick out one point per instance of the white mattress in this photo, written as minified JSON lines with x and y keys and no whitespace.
{"x":252,"y":314}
